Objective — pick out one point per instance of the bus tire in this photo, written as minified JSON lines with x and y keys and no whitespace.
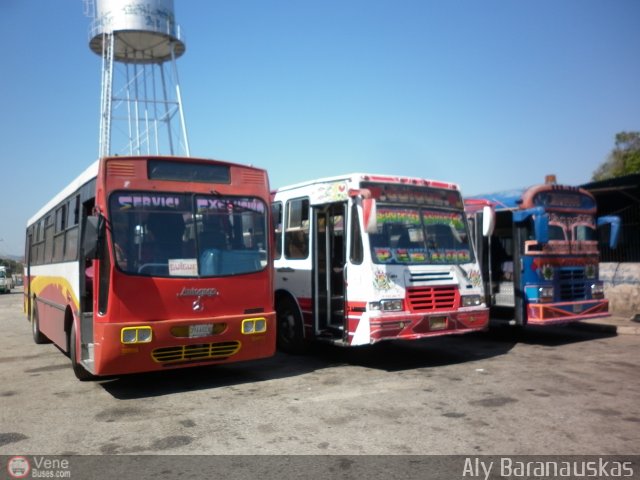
{"x":80,"y":372}
{"x":38,"y":336}
{"x":289,"y":329}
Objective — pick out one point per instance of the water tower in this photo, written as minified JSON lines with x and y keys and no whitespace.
{"x":141,"y":106}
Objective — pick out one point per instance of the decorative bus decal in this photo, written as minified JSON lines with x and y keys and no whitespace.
{"x":132,"y":201}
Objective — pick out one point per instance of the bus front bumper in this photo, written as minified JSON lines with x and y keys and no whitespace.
{"x":179,"y":343}
{"x":413,"y":326}
{"x":566,"y":312}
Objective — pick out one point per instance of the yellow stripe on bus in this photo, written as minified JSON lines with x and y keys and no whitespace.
{"x":39,"y":283}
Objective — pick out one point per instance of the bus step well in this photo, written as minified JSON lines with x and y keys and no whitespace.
{"x":88,"y":355}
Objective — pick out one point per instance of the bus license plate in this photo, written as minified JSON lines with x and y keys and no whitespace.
{"x":197,"y":331}
{"x":437,"y":323}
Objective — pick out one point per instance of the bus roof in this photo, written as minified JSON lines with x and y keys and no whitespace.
{"x":514,"y":199}
{"x":90,"y":173}
{"x":507,"y":199}
{"x":371,"y":177}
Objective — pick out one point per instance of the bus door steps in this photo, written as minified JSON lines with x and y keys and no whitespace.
{"x":331,"y":331}
{"x":88,"y":365}
{"x":505,"y":294}
{"x":337,"y":309}
{"x":87,"y":354}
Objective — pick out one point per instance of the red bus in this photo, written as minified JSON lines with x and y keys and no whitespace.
{"x":153,"y":263}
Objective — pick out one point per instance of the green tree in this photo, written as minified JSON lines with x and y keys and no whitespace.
{"x":623,"y":159}
{"x":12,"y":265}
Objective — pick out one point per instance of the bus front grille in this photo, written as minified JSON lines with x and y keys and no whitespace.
{"x":200,"y":351}
{"x":572,"y":284}
{"x":431,"y":276}
{"x":432,"y":298}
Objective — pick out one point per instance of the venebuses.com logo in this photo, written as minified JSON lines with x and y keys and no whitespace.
{"x":38,"y":467}
{"x":18,"y":467}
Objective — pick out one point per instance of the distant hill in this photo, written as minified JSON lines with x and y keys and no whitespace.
{"x":15,"y":258}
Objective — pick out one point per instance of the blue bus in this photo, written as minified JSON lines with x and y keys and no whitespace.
{"x":540,"y":262}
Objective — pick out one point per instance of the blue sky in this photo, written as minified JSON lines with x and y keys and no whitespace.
{"x":490,"y":94}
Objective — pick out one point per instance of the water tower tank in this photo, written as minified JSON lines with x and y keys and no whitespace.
{"x":145,"y":31}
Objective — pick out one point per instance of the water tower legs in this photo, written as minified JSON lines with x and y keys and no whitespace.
{"x":139,"y":101}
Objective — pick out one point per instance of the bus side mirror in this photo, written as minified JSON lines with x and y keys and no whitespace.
{"x":614,"y":221}
{"x":92,"y":236}
{"x":488,"y":221}
{"x":369,"y":215}
{"x":540,"y":222}
{"x":541,"y":226}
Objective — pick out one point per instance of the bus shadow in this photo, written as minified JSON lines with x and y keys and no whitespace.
{"x":388,"y":356}
{"x":393,"y":356}
{"x":548,"y":336}
{"x":155,"y":384}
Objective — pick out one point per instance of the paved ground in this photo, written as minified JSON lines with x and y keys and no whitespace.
{"x":561,"y":390}
{"x":620,"y":324}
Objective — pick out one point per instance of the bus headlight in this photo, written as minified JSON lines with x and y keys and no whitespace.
{"x":545,"y":294}
{"x":597,"y":291}
{"x":254,"y":325}
{"x":471,"y":300}
{"x":129,"y":335}
{"x":395,"y":305}
{"x":388,"y":305}
{"x":261,"y":325}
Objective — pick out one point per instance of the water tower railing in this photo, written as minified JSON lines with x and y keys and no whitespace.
{"x":170,"y":29}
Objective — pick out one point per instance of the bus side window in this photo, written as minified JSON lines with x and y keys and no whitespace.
{"x":297,"y":244}
{"x":502,"y":256}
{"x":356,"y":253}
{"x":87,"y":209}
{"x":276,"y":212}
{"x":296,"y":238}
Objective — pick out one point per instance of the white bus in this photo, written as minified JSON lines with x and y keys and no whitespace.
{"x":362,"y":258}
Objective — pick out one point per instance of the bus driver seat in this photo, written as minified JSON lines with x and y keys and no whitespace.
{"x":213,"y":241}
{"x":165,"y":235}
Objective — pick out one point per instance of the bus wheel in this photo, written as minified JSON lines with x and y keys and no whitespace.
{"x":38,"y":336}
{"x":81,"y":373}
{"x":289,"y":327}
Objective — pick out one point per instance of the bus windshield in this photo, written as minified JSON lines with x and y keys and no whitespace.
{"x":185,"y":235}
{"x":572,"y":227}
{"x":419,"y":236}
